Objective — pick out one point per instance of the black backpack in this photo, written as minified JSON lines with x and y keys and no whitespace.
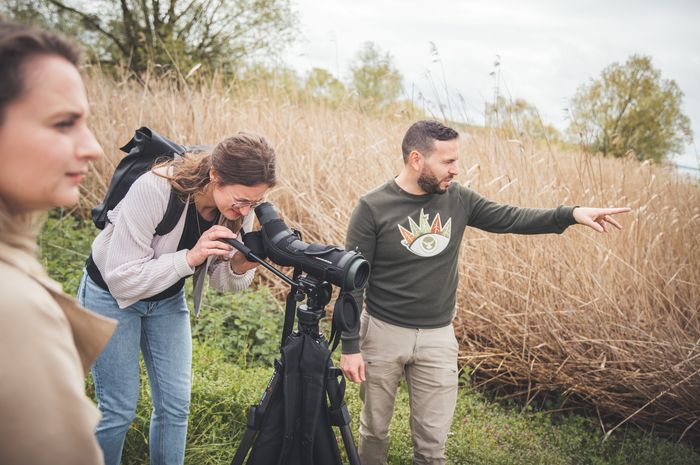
{"x":143,"y":151}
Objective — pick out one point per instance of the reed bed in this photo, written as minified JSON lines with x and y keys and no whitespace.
{"x":610,"y":319}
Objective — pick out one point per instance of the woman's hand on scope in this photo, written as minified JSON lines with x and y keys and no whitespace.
{"x":209,"y":244}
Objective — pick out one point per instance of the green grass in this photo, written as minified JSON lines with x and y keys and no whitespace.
{"x":64,"y":245}
{"x":483,"y":432}
{"x":236,"y":338}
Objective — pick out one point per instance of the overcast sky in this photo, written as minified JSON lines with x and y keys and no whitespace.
{"x":547,"y":48}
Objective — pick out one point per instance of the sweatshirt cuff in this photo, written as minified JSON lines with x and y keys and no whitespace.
{"x":182,"y":269}
{"x":235,"y":275}
{"x":564,"y":216}
{"x":350,"y":344}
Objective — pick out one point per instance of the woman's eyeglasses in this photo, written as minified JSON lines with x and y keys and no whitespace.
{"x":246,"y":203}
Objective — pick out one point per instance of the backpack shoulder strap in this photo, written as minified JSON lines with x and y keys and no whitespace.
{"x":175,"y":205}
{"x":173,"y":212}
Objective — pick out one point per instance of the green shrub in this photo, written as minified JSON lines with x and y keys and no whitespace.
{"x":245,"y":325}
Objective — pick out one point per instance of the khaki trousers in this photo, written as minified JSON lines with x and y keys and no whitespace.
{"x":428,"y":359}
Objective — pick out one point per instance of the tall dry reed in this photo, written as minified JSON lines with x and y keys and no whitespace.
{"x":613,"y":319}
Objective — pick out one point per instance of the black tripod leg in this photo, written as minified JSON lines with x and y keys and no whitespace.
{"x":256,"y":416}
{"x":349,"y":443}
{"x":339,"y":414}
{"x":247,"y":440}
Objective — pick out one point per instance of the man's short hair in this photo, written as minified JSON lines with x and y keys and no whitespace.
{"x":421,"y":137}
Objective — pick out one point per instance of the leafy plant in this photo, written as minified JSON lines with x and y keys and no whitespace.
{"x":246,"y":326}
{"x":64,"y":245}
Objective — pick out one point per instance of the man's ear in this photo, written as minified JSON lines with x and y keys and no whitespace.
{"x":415,"y":160}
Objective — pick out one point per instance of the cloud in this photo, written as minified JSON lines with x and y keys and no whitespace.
{"x":547,"y":48}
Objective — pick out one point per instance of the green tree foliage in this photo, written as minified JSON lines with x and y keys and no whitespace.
{"x":219,"y":34}
{"x":274,"y":79}
{"x":321,"y":84}
{"x":374,"y":78}
{"x":520,"y":118}
{"x":630,"y":109}
{"x":40,"y":13}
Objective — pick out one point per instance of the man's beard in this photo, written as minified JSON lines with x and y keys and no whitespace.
{"x":430,"y":183}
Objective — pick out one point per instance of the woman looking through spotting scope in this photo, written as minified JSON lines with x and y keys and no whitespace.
{"x":137,"y":277}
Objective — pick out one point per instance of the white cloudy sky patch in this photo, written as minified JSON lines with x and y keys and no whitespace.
{"x":546,"y":48}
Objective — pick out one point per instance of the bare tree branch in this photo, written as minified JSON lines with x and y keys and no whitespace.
{"x":92,"y":21}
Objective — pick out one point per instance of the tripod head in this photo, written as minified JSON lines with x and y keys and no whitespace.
{"x":317,"y":295}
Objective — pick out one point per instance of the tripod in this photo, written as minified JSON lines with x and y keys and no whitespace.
{"x":292,"y":423}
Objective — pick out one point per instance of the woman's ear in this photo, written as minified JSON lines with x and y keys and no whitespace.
{"x":213,"y":176}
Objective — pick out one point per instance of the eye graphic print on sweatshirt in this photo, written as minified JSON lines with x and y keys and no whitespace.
{"x":426,"y":239}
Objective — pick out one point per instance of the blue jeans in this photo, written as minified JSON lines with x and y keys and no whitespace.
{"x":161,"y":332}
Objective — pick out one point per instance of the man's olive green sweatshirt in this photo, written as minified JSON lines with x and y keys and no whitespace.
{"x":412,"y":243}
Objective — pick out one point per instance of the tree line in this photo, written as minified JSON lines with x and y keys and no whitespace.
{"x":629,"y":110}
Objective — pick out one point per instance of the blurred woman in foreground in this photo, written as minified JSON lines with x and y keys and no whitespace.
{"x":47,"y":341}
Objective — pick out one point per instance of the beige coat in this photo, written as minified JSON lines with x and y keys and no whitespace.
{"x":47,"y":344}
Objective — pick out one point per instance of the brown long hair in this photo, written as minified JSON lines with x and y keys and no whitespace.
{"x":19,"y":44}
{"x":244,"y":158}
